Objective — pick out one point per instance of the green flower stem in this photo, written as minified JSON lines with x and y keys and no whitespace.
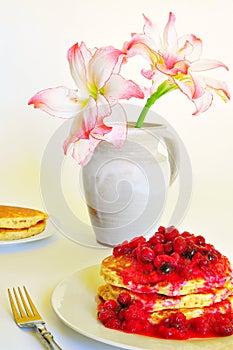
{"x":162,"y":89}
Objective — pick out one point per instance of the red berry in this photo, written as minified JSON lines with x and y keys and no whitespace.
{"x":200,"y":325}
{"x":132,"y":326}
{"x":200,"y":240}
{"x":124,"y":298}
{"x":133,"y":312}
{"x":222,"y":325}
{"x":176,"y":257}
{"x":168,"y":247}
{"x":185,"y":271}
{"x":121,"y":314}
{"x":163,"y":258}
{"x":136,"y":241}
{"x":113,"y":323}
{"x":186,"y":234}
{"x":179,"y":245}
{"x":158,"y":248}
{"x":157,"y":238}
{"x":110,"y":304}
{"x":161,"y":229}
{"x":104,"y":315}
{"x":171,"y":233}
{"x":147,"y":254}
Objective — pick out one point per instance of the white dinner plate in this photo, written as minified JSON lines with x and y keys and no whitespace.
{"x":74,"y":301}
{"x":49,"y":231}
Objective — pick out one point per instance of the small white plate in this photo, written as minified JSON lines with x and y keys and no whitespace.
{"x":74,"y":301}
{"x":49,"y":231}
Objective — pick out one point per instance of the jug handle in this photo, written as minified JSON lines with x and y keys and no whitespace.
{"x":173,"y":154}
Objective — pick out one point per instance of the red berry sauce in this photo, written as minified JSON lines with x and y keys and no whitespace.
{"x":170,"y":256}
{"x":174,"y":257}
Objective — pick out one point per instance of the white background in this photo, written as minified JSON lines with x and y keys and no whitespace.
{"x":34,"y":38}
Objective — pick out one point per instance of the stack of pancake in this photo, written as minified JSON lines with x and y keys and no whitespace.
{"x":196,"y":280}
{"x":20,"y":222}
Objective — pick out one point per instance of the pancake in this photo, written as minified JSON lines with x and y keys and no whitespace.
{"x":13,"y":217}
{"x":7,"y":234}
{"x":155,"y":302}
{"x":190,"y":313}
{"x":122,"y":271}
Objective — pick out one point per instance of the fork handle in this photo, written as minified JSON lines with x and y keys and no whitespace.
{"x":47,"y":337}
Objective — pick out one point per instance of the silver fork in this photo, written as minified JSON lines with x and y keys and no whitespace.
{"x":26,"y":315}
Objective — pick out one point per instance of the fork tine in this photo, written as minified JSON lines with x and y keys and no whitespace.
{"x":20,"y":308}
{"x":13,"y":307}
{"x":33,"y":307}
{"x":28,"y":311}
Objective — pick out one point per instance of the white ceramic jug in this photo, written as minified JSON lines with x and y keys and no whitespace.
{"x":125,"y":189}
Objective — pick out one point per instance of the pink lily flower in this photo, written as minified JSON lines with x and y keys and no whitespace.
{"x":99,"y":88}
{"x":89,"y":130}
{"x":176,"y":61}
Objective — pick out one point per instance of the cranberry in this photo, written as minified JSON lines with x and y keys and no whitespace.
{"x":161,"y":229}
{"x":148,"y":328}
{"x":175,"y":326}
{"x":176,"y":320}
{"x":200,"y":325}
{"x":147,"y":254}
{"x":121,"y":314}
{"x":110,"y":304}
{"x":179,"y":245}
{"x":136,"y":241}
{"x":186,"y":271}
{"x":106,"y":314}
{"x":172,"y":333}
{"x":176,"y":257}
{"x":132,"y":326}
{"x":171,"y":233}
{"x":200,"y":240}
{"x":159,"y":248}
{"x":223,"y":325}
{"x":124,"y":298}
{"x":113,"y":323}
{"x":133,"y":312}
{"x":138,"y":303}
{"x":157,"y":238}
{"x":186,"y":234}
{"x":168,"y":247}
{"x":121,"y":249}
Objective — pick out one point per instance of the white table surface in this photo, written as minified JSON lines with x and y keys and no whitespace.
{"x":43,"y":264}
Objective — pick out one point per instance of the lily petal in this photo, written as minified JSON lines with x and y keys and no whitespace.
{"x":103,"y":106}
{"x":190,"y":46}
{"x":140,"y":44}
{"x":151,"y":30}
{"x":118,"y":123}
{"x":206,"y":64}
{"x":203,"y":103}
{"x":170,"y":35}
{"x":220,"y":87}
{"x":83,"y":150}
{"x":104,"y":62}
{"x":78,"y":57}
{"x":119,"y":88}
{"x":59,"y":102}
